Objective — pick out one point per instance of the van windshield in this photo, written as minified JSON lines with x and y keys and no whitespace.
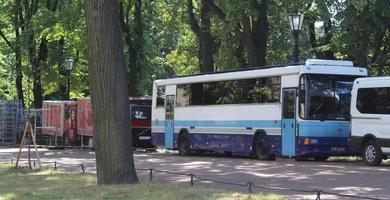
{"x":325,"y":97}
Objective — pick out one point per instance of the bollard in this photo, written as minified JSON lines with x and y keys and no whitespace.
{"x":151,"y":174}
{"x":55,"y":165}
{"x":250,"y":187}
{"x":34,"y":163}
{"x":82,"y":168}
{"x":192,"y":180}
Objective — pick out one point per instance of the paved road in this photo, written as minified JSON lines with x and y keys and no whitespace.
{"x":339,"y":176}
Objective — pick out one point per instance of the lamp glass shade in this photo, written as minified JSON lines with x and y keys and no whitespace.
{"x":296,"y":20}
{"x":69,"y":64}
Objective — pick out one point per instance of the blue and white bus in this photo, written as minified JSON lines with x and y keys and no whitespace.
{"x":291,"y":111}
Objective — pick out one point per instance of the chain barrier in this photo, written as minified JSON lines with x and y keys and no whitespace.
{"x":249,"y":185}
{"x":56,"y":164}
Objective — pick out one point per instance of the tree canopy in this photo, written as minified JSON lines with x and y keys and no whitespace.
{"x":178,"y":37}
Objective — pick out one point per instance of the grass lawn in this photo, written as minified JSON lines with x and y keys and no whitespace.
{"x":51,"y":185}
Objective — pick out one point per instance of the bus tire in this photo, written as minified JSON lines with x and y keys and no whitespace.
{"x":372,"y":154}
{"x":184,"y":144}
{"x":260,"y":148}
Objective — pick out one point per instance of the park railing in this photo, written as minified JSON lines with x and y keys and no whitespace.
{"x":192,"y":178}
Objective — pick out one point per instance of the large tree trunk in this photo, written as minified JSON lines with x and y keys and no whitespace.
{"x":109,"y":92}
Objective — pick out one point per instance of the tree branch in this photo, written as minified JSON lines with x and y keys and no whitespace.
{"x":217,"y":10}
{"x":380,"y":34}
{"x":193,"y":23}
{"x":6,"y":40}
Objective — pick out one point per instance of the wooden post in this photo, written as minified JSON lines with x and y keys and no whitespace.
{"x":28,"y":129}
{"x":21,"y":143}
{"x":35,"y":144}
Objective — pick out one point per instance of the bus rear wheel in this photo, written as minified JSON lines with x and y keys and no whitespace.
{"x":260,"y":148}
{"x":184,"y":145}
{"x":372,"y":154}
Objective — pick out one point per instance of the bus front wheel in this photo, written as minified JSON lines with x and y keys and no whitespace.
{"x":184,"y":145}
{"x":260,"y":148}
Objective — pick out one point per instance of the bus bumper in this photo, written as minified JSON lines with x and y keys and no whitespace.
{"x":321,"y":146}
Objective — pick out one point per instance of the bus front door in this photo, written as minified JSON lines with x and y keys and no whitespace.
{"x":169,"y":119}
{"x":288,"y":122}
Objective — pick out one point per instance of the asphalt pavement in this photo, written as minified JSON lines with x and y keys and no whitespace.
{"x":343,"y":176}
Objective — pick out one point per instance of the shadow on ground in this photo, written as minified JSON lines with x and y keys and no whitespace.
{"x":339,"y":175}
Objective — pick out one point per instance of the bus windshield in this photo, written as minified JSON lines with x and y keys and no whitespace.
{"x":325,"y":97}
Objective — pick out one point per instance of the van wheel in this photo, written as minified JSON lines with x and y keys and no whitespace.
{"x":260,"y":148}
{"x":372,"y":154}
{"x":184,"y":145}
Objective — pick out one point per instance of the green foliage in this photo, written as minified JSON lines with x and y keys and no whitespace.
{"x":358,"y":31}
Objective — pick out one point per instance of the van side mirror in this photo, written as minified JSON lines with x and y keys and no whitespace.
{"x":301,"y":96}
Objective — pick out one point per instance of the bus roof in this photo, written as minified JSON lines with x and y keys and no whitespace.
{"x":312,"y":66}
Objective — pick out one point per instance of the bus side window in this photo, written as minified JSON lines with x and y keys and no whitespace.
{"x":160,"y":101}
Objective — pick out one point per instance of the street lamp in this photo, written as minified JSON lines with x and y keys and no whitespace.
{"x":296,"y":19}
{"x":68,"y":68}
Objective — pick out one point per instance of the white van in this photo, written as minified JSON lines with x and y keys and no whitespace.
{"x":370,"y":119}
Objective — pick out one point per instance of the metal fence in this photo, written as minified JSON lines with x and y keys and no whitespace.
{"x":35,"y":117}
{"x":11,"y":122}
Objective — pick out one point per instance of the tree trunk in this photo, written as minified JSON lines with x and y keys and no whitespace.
{"x":134,"y":43}
{"x":18,"y":54}
{"x":362,"y":50}
{"x":63,"y":94}
{"x":135,"y":50}
{"x":36,"y":71}
{"x":326,"y":40}
{"x":203,"y":31}
{"x":109,"y":92}
{"x":206,"y":45}
{"x":256,"y":34}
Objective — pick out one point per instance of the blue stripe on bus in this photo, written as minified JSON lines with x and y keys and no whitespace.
{"x":219,"y":123}
{"x":318,"y":128}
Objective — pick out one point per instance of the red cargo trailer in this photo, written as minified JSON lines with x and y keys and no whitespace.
{"x":84,"y":117}
{"x":59,"y":120}
{"x":140,"y":119}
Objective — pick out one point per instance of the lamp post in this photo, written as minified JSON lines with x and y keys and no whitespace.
{"x":68,"y":68}
{"x":296,"y":19}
